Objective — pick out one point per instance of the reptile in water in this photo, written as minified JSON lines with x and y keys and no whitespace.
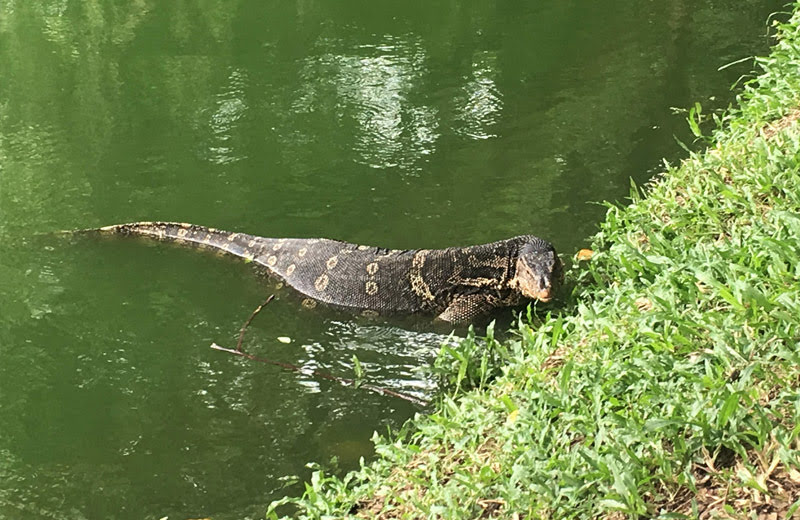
{"x":456,"y":285}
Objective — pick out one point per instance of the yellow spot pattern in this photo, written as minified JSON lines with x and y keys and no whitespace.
{"x":321,"y":283}
{"x":332,"y":261}
{"x":418,"y":284}
{"x":371,"y":288}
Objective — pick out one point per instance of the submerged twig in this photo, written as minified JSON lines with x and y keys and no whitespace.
{"x":314,"y":373}
{"x":249,"y":320}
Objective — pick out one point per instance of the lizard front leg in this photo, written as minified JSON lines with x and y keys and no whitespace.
{"x":467,"y":307}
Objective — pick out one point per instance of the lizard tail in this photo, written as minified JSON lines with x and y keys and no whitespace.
{"x":238,"y":244}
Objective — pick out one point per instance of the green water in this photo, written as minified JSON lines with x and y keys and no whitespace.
{"x":412,"y":124}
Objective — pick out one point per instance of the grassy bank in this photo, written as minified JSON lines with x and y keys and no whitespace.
{"x":669,"y":388}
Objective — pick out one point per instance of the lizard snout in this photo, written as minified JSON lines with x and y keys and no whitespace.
{"x":538,"y":276}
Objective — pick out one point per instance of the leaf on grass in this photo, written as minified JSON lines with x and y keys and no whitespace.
{"x":509,"y":404}
{"x":610,"y":503}
{"x":730,"y":406}
{"x":654,"y":425}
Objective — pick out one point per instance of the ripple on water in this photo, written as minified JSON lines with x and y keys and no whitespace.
{"x":371,"y":85}
{"x":480,"y":103}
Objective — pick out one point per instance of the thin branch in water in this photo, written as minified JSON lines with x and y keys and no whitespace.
{"x":314,"y":373}
{"x":249,"y":320}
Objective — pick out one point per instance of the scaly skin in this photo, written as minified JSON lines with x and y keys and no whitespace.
{"x":457,"y":284}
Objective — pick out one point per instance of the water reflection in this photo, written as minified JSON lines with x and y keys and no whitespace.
{"x":231,"y":107}
{"x":390,"y":356}
{"x":480,"y":105}
{"x":374,"y":85}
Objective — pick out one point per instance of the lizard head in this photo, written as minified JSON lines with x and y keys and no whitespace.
{"x":539,"y":271}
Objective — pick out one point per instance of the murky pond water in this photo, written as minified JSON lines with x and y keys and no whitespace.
{"x":413,"y":124}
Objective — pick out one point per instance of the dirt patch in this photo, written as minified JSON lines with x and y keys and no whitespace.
{"x":402,"y":489}
{"x":373,"y":508}
{"x":774,"y":128}
{"x":769,"y":494}
{"x":555,"y":359}
{"x":381,"y":507}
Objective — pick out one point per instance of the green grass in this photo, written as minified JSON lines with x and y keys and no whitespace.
{"x":668,"y":388}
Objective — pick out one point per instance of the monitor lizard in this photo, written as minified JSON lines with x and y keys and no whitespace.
{"x":455,"y":285}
